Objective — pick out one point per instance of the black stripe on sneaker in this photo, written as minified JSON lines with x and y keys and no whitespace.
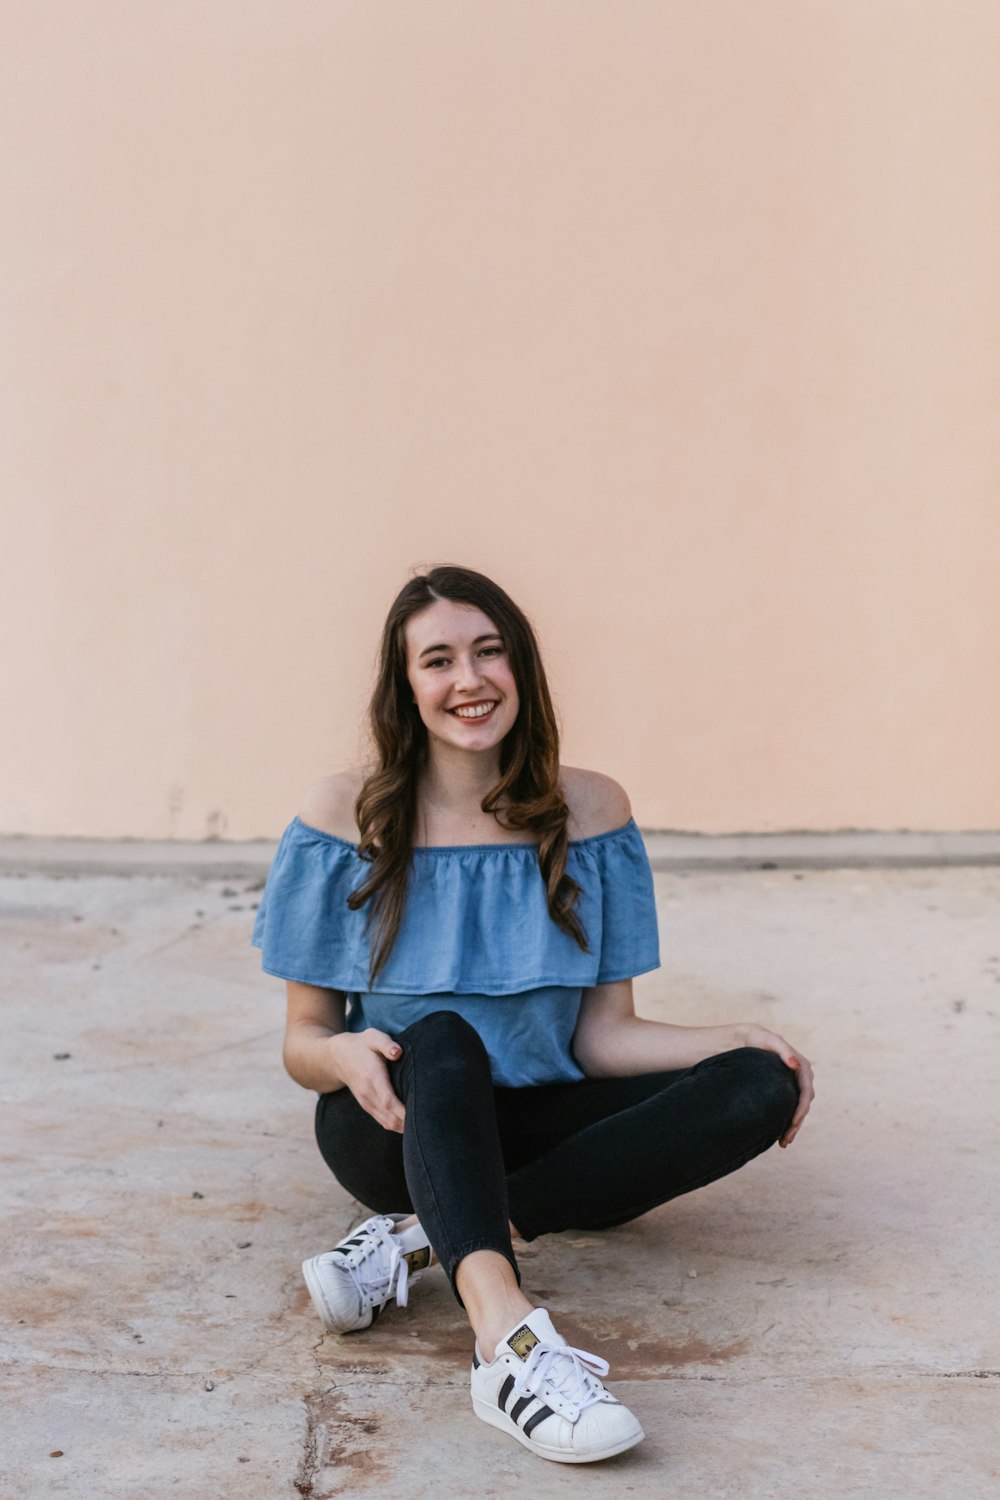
{"x":376,"y":1310}
{"x":505,"y":1391}
{"x":520,"y":1407}
{"x":532,"y":1422}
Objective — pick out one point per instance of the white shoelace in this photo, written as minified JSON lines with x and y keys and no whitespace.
{"x":373,"y":1264}
{"x":569,"y":1371}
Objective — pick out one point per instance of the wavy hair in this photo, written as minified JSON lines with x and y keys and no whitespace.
{"x":386,"y":807}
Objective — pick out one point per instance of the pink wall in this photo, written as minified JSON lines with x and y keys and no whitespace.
{"x":681,"y":320}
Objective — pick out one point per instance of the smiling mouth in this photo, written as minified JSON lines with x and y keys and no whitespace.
{"x":474,"y":713}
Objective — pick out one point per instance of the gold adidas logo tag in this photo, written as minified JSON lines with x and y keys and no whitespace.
{"x":418,"y":1259}
{"x":522,"y":1341}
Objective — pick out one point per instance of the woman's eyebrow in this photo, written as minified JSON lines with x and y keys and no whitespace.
{"x":493,"y":636}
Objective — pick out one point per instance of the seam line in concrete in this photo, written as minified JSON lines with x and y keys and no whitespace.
{"x":217,"y":860}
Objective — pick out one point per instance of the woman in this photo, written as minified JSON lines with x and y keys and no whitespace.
{"x":459,"y":925}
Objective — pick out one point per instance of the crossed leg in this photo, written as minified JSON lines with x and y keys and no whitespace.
{"x":473,"y":1158}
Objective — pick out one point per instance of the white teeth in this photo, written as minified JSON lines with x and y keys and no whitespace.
{"x":474,"y":713}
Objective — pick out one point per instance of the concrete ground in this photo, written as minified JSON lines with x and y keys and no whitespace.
{"x":822,"y":1323}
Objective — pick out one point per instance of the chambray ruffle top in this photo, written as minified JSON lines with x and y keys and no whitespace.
{"x":476,"y":938}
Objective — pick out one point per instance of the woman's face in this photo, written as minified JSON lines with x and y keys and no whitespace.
{"x":457,"y":666}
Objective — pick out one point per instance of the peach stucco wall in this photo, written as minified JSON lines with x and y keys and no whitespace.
{"x":682,"y":320}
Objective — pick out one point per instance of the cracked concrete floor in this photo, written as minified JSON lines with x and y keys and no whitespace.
{"x":822,"y":1323}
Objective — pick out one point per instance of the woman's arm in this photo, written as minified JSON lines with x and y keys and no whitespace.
{"x":320,"y":1054}
{"x":611,"y":1041}
{"x":315,"y":1017}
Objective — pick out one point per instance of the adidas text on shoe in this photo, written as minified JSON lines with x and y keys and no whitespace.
{"x":547,"y":1395}
{"x":350,"y":1284}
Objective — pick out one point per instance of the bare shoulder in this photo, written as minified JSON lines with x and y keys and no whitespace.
{"x":597,"y":804}
{"x":329,"y":803}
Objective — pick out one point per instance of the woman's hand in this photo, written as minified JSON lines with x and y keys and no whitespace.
{"x":360,"y":1060}
{"x":770,"y":1041}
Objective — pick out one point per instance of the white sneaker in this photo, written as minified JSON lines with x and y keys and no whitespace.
{"x":350,"y":1284}
{"x":547,"y":1395}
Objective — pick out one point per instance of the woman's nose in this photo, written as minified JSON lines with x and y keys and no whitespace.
{"x":469,"y":672}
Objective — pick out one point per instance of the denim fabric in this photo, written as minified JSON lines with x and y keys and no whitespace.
{"x":527,"y":1037}
{"x":476,"y":938}
{"x":583,"y":1155}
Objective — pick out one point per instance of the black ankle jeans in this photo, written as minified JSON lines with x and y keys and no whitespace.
{"x":586,"y":1155}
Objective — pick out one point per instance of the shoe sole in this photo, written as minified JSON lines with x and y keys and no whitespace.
{"x":328,"y":1317}
{"x":486,"y":1411}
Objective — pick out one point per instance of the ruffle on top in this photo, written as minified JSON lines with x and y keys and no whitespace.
{"x":475,"y":921}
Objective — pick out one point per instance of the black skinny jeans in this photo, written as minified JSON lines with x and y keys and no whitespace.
{"x":585,"y":1155}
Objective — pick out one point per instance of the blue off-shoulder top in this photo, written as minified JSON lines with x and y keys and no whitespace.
{"x":476,"y":938}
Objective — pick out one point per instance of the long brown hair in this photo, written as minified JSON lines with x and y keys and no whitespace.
{"x":386,"y":807}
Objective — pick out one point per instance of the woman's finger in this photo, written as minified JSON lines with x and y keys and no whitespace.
{"x":385,"y":1114}
{"x":393,"y":1120}
{"x":384,"y":1104}
{"x":383,"y":1045}
{"x":807,"y":1094}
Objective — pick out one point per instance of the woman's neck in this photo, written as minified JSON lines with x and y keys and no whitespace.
{"x":454,"y":782}
{"x":450,"y":793}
